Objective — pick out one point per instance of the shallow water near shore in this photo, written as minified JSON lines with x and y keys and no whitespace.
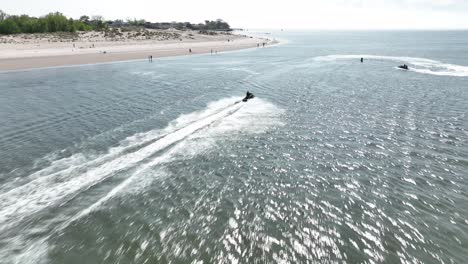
{"x":334,"y":160}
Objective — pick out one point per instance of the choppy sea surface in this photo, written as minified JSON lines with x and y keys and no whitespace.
{"x":334,"y":161}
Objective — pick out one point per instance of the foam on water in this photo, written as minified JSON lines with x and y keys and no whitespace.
{"x":420,"y":65}
{"x":366,"y":170}
{"x":185,"y":137}
{"x":149,"y":74}
{"x":254,"y":117}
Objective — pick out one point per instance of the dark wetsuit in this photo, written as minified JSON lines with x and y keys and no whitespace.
{"x":248,"y":96}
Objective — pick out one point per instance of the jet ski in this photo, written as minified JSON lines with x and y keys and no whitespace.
{"x":248,"y":96}
{"x":404,"y":67}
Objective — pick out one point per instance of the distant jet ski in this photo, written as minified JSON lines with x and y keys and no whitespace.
{"x":248,"y":96}
{"x":404,"y":67}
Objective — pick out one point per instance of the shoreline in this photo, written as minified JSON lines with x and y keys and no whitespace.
{"x":26,"y":57}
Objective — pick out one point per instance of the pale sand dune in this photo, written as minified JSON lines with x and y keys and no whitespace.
{"x":28,"y":51}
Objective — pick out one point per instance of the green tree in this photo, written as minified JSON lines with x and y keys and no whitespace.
{"x":3,"y":15}
{"x":135,"y":22}
{"x":24,"y":22}
{"x":53,"y":22}
{"x":41,"y":26}
{"x":179,"y":26}
{"x":81,"y":26}
{"x":84,"y":18}
{"x":9,"y":27}
{"x":98,"y":22}
{"x":71,"y":25}
{"x":57,"y":22}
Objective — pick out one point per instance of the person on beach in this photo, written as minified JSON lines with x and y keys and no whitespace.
{"x":211,"y":51}
{"x":362,"y":60}
{"x":190,"y":50}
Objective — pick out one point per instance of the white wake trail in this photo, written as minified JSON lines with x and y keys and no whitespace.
{"x":49,"y":190}
{"x":256,"y":116}
{"x":419,"y":65}
{"x":158,"y":160}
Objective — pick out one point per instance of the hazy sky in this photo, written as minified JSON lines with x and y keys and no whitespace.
{"x":288,"y":14}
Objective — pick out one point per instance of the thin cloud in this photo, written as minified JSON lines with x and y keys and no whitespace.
{"x":300,"y":14}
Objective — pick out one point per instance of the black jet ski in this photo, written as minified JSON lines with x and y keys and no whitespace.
{"x":248,"y":96}
{"x":404,"y":67}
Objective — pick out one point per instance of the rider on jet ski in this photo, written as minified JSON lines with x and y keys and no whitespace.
{"x":248,"y":96}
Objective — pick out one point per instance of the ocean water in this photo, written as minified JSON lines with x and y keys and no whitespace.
{"x":334,"y":161}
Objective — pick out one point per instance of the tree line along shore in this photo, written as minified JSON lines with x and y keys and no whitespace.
{"x":57,"y":22}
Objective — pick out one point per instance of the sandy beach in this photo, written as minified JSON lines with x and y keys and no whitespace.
{"x":27,"y":51}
